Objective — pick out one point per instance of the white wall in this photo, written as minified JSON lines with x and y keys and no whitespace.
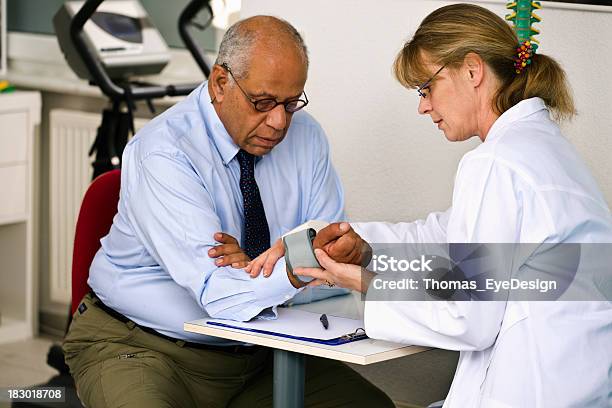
{"x":395,"y":164}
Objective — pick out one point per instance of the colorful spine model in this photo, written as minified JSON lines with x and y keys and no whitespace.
{"x":523,"y":17}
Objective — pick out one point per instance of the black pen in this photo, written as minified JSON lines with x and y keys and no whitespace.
{"x":324,"y":321}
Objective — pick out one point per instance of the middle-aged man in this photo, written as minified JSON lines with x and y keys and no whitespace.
{"x":214,"y":162}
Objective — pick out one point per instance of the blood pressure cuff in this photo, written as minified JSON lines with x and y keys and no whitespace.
{"x":299,"y":251}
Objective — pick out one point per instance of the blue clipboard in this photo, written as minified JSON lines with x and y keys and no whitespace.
{"x":358,"y":334}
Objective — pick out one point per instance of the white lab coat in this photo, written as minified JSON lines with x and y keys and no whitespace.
{"x":525,"y":183}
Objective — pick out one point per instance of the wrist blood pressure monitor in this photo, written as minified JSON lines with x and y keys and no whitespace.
{"x":299,"y":252}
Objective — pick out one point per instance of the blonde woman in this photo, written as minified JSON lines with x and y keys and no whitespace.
{"x":524,"y":184}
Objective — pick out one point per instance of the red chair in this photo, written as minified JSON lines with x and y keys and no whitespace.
{"x":98,"y":209}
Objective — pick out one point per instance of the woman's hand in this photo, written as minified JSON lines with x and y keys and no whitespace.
{"x":344,"y":275}
{"x":229,"y":252}
{"x":266,"y":260}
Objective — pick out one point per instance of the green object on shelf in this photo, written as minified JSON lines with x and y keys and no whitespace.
{"x":5,"y":87}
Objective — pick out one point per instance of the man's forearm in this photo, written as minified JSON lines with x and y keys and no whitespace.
{"x":232,"y":294}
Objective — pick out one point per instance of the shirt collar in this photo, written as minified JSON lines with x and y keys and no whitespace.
{"x":519,"y":111}
{"x":216,"y":130}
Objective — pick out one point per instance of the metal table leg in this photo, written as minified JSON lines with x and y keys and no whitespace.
{"x":289,"y":370}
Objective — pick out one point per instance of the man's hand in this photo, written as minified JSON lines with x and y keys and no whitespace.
{"x":229,"y":252}
{"x":343,"y":244}
{"x":266,"y":261}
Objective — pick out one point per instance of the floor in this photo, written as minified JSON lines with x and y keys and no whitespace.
{"x":25,"y":362}
{"x":413,"y":381}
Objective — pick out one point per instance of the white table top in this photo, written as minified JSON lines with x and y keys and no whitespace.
{"x":362,"y":352}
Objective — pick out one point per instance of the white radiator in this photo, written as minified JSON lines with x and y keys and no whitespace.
{"x":71,"y":136}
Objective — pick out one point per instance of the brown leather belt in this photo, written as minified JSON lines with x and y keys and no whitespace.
{"x":182,"y":343}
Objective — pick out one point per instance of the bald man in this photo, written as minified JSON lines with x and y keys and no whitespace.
{"x":205,"y":187}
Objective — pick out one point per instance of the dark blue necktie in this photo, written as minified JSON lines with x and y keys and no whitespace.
{"x":256,"y":235}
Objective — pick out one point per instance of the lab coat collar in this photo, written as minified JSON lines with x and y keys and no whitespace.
{"x":216,"y":130}
{"x":519,"y":111}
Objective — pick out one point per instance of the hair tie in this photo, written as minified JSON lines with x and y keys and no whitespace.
{"x":525,"y":51}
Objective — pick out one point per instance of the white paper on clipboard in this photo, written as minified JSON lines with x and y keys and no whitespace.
{"x":299,"y":323}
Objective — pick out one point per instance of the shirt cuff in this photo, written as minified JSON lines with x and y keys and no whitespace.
{"x":270,"y":292}
{"x":277,"y":288}
{"x":314,"y":294}
{"x":233,"y":294}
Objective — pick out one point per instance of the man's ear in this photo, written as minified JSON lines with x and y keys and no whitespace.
{"x":474,"y":67}
{"x":218,"y":78}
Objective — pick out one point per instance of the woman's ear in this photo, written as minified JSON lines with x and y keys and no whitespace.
{"x":218,"y":79}
{"x":475,"y":66}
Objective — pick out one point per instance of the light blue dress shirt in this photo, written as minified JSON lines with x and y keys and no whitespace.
{"x":180,"y":185}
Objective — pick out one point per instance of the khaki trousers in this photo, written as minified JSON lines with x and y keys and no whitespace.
{"x":115,"y":364}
